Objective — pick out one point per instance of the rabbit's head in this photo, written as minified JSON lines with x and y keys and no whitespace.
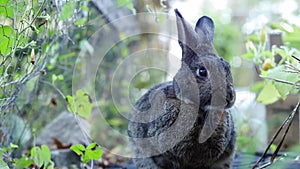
{"x":204,"y":78}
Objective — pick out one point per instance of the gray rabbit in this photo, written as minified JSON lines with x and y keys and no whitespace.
{"x":185,"y":123}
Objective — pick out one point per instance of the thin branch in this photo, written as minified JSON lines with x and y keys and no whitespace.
{"x":281,"y":81}
{"x":56,"y":88}
{"x":292,"y":67}
{"x":296,"y":58}
{"x":288,"y":121}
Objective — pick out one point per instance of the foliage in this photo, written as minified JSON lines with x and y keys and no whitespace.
{"x":278,"y":68}
{"x":279,"y":75}
{"x":127,"y":3}
{"x":41,"y":156}
{"x":37,"y":156}
{"x":80,"y":104}
{"x":227,"y":43}
{"x":38,"y":48}
{"x":91,"y":152}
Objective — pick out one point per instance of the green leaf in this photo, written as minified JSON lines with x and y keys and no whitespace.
{"x":127,"y":3}
{"x":115,"y":121}
{"x":83,"y":104}
{"x":78,"y":149}
{"x":60,"y":77}
{"x":42,"y":156}
{"x":66,"y":56}
{"x":68,"y":10}
{"x":281,"y":52}
{"x":71,"y":105}
{"x":80,"y":22}
{"x":280,"y":74}
{"x":80,"y":104}
{"x":249,"y":55}
{"x":34,"y":152}
{"x":84,"y":8}
{"x":92,"y":146}
{"x":6,"y":8}
{"x":257,"y":87}
{"x":92,"y":152}
{"x":54,"y":78}
{"x":45,"y":154}
{"x":13,"y":145}
{"x":7,"y":39}
{"x":121,"y":3}
{"x":22,"y":163}
{"x":268,"y":94}
{"x":57,"y":78}
{"x":267,"y":53}
{"x":92,"y":155}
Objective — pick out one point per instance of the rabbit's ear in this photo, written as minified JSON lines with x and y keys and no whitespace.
{"x":205,"y":26}
{"x":187,"y":36}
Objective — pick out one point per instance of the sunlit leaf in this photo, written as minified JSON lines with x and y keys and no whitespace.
{"x":71,"y":106}
{"x":258,"y":86}
{"x":13,"y":145}
{"x":42,"y":156}
{"x":68,"y":10}
{"x":93,"y":152}
{"x":127,"y":3}
{"x":268,"y":94}
{"x":7,"y":39}
{"x":45,"y":154}
{"x":280,"y":74}
{"x":83,"y":104}
{"x":248,"y":55}
{"x":80,"y":22}
{"x":6,"y":8}
{"x":92,"y":146}
{"x":263,"y":35}
{"x":54,"y":78}
{"x":60,"y":77}
{"x":22,"y":163}
{"x":34,"y":152}
{"x":78,"y":149}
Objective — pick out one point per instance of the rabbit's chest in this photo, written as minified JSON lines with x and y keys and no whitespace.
{"x":189,"y":149}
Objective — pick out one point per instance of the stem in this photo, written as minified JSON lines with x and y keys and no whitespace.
{"x":281,"y":81}
{"x":56,"y":88}
{"x":288,"y":121}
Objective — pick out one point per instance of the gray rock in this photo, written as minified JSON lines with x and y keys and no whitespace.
{"x":66,"y":129}
{"x":65,"y":158}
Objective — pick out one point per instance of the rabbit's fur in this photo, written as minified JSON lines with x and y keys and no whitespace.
{"x":185,"y":123}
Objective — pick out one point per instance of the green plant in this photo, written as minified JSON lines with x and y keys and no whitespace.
{"x":279,"y":77}
{"x":91,"y":152}
{"x":278,"y":67}
{"x":37,"y":156}
{"x":80,"y":104}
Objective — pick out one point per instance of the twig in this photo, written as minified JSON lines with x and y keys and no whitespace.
{"x":281,"y":81}
{"x":296,"y":58}
{"x":292,"y":67}
{"x":56,"y":88}
{"x":288,"y":121}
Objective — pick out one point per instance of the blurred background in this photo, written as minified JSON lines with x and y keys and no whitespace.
{"x":49,"y":48}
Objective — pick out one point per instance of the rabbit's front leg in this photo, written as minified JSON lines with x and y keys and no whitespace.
{"x":226,"y":159}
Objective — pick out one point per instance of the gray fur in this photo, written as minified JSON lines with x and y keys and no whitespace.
{"x":185,"y":123}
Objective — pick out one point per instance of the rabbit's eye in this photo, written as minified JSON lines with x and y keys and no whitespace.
{"x":201,"y":72}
